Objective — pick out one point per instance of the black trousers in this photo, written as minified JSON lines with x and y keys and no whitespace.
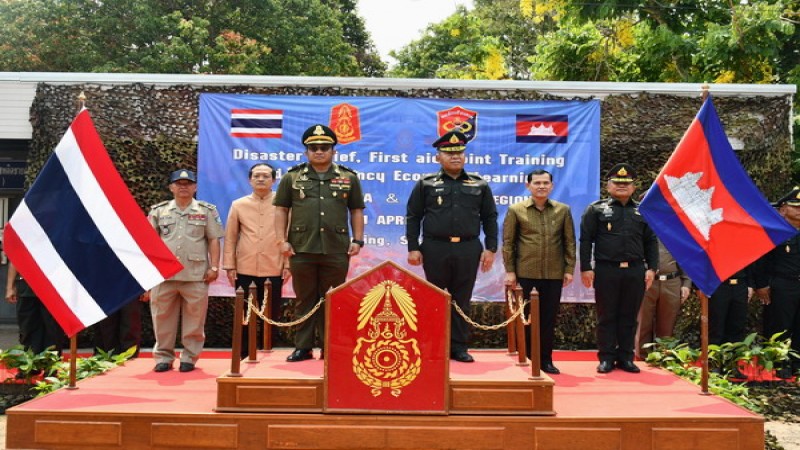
{"x":727,"y":314}
{"x":783,"y":312}
{"x":549,"y":304}
{"x":37,"y":328}
{"x":618,"y":296}
{"x":121,"y":330}
{"x":453,"y":266}
{"x":244,"y":282}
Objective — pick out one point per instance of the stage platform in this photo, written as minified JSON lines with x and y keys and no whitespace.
{"x":132,"y":407}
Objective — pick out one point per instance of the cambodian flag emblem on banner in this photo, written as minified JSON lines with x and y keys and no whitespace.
{"x":257,"y":123}
{"x":542,"y":128}
{"x":706,"y":209}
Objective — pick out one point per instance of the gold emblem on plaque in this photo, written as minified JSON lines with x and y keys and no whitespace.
{"x":386,"y":358}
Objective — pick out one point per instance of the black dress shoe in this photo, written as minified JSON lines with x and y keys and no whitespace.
{"x":605,"y":367}
{"x":300,"y":354}
{"x":462,"y":356}
{"x":548,"y":367}
{"x":162,"y":367}
{"x":186,"y":367}
{"x":628,"y":366}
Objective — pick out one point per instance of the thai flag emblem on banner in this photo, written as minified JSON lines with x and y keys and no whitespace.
{"x":542,"y":128}
{"x":79,"y":239}
{"x":706,"y":209}
{"x":257,"y":123}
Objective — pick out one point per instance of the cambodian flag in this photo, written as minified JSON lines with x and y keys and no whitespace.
{"x":79,"y":239}
{"x":539,"y":128}
{"x":706,"y":209}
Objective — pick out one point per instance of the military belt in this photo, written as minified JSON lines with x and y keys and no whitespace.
{"x":452,"y":239}
{"x":668,"y":276}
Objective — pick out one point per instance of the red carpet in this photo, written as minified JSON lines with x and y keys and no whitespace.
{"x":579,"y":390}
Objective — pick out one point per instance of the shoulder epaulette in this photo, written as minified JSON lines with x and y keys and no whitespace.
{"x":297,"y":167}
{"x":474,"y":176}
{"x":206,"y":205}
{"x":346,"y":168}
{"x":158,"y":205}
{"x":601,"y":201}
{"x":429,"y":176}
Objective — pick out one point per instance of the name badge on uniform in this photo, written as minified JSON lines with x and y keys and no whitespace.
{"x":609,"y":226}
{"x":734,"y":281}
{"x":787,"y":248}
{"x":662,"y":278}
{"x":439,"y":200}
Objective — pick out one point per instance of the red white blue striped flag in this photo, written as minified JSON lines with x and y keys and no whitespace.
{"x":706,"y":209}
{"x":79,"y":239}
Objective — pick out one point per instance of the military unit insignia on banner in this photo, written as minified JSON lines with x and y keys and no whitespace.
{"x":458,"y":119}
{"x":346,"y":123}
{"x":384,"y":357}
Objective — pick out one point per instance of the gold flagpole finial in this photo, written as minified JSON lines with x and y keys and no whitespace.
{"x":81,"y":101}
{"x":705,"y":88}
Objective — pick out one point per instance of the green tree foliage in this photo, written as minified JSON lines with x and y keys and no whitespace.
{"x":275,"y":37}
{"x":459,"y":48}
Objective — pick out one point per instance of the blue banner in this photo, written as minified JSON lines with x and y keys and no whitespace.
{"x":387,"y":141}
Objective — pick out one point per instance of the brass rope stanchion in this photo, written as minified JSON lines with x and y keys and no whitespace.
{"x":236,"y":349}
{"x":511,"y":332}
{"x":267,"y":327}
{"x":252,"y":329}
{"x":519,"y":327}
{"x":536,"y":336}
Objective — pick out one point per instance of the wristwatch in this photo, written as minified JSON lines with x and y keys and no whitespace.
{"x":214,"y":268}
{"x":359,"y":242}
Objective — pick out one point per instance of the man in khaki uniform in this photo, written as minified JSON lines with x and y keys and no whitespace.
{"x":662,"y":301}
{"x":321,"y":196}
{"x":191,"y":229}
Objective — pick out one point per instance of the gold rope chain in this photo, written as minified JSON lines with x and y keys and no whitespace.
{"x":260,"y":313}
{"x":503,"y":324}
{"x":251,"y":308}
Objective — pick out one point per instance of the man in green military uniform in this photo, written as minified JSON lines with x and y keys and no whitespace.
{"x":314,"y":202}
{"x":191,"y":229}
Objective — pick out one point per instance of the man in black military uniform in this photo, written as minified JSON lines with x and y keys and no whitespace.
{"x":321,"y":196}
{"x":778,"y":284}
{"x":450,"y":207}
{"x":622,"y":243}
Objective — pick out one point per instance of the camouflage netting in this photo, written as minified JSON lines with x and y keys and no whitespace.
{"x":151,"y":130}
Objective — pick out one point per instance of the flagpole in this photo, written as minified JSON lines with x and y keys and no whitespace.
{"x":704,"y":310}
{"x":73,"y":361}
{"x":73,"y":340}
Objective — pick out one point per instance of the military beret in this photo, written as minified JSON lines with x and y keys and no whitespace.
{"x":319,"y":134}
{"x":182,"y":174}
{"x":791,"y":199}
{"x":621,"y":173}
{"x":452,"y":141}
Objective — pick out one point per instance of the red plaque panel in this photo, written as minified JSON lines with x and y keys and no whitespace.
{"x":386,"y":349}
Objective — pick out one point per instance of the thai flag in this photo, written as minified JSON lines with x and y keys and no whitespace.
{"x":542,"y":128}
{"x":257,"y":123}
{"x":706,"y":209}
{"x":79,"y":239}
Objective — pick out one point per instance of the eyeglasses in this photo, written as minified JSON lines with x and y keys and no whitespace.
{"x":319,"y":148}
